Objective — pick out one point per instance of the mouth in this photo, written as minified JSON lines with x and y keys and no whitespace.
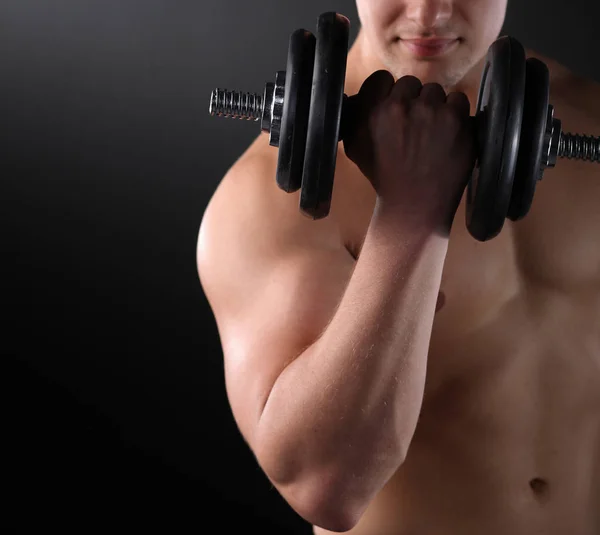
{"x":429,"y":47}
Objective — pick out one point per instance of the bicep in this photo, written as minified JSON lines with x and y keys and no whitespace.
{"x":273,"y":288}
{"x":291,"y":306}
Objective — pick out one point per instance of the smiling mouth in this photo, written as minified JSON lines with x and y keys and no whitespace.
{"x":430,"y":47}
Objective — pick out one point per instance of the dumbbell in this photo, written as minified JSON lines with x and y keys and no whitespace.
{"x":306,"y":115}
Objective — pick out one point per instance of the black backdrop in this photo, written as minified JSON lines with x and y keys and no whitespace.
{"x":116,"y":411}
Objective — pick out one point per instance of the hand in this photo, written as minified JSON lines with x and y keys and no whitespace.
{"x":414,"y":143}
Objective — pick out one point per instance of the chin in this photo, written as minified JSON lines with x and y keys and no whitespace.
{"x":447,"y":70}
{"x":426,"y":72}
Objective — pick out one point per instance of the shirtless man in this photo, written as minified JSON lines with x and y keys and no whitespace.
{"x":391,"y":374}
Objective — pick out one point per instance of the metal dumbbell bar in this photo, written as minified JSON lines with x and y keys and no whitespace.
{"x":518,"y":136}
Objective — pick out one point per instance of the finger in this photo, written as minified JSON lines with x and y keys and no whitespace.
{"x":460,"y":101}
{"x":433,"y":93}
{"x":357,"y":107}
{"x":376,"y":87}
{"x":406,"y":88}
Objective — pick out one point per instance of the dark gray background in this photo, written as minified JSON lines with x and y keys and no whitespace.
{"x":116,"y":406}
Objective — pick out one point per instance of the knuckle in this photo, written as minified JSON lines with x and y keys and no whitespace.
{"x":407,"y":85}
{"x":434,"y":87}
{"x":459,"y":100}
{"x":396,"y":108}
{"x":408,"y":79}
{"x":423,"y":109}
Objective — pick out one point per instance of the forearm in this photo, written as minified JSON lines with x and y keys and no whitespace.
{"x":346,"y":409}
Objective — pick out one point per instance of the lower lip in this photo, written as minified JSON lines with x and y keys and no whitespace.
{"x":429,"y":51}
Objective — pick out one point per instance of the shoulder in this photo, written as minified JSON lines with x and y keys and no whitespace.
{"x":249,"y":170}
{"x":238,"y":196}
{"x":576,"y":103}
{"x":249,"y":215}
{"x":243,"y":189}
{"x":575,"y":98}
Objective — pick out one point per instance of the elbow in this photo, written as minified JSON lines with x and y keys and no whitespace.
{"x":323,"y":490}
{"x":324,"y":505}
{"x":322,"y":496}
{"x":334,"y":502}
{"x":332,"y":517}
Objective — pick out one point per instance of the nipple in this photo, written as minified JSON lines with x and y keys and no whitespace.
{"x":540,"y":487}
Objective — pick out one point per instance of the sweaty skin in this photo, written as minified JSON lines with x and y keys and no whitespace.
{"x":508,"y":436}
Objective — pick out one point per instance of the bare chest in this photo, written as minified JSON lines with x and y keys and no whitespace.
{"x":555,"y":250}
{"x":531,"y":295}
{"x":510,"y":423}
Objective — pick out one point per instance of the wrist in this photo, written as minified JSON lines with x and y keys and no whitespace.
{"x":413,"y":223}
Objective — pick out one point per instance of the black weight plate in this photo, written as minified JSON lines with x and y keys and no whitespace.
{"x":533,"y":130}
{"x":498,"y":118}
{"x":325,"y":112}
{"x":296,"y":106}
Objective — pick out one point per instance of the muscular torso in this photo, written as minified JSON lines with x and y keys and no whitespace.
{"x":508,"y":440}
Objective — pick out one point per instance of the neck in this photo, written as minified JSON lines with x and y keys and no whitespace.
{"x":362,"y":62}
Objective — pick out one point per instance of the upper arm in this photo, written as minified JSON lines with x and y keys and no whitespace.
{"x":273,"y":279}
